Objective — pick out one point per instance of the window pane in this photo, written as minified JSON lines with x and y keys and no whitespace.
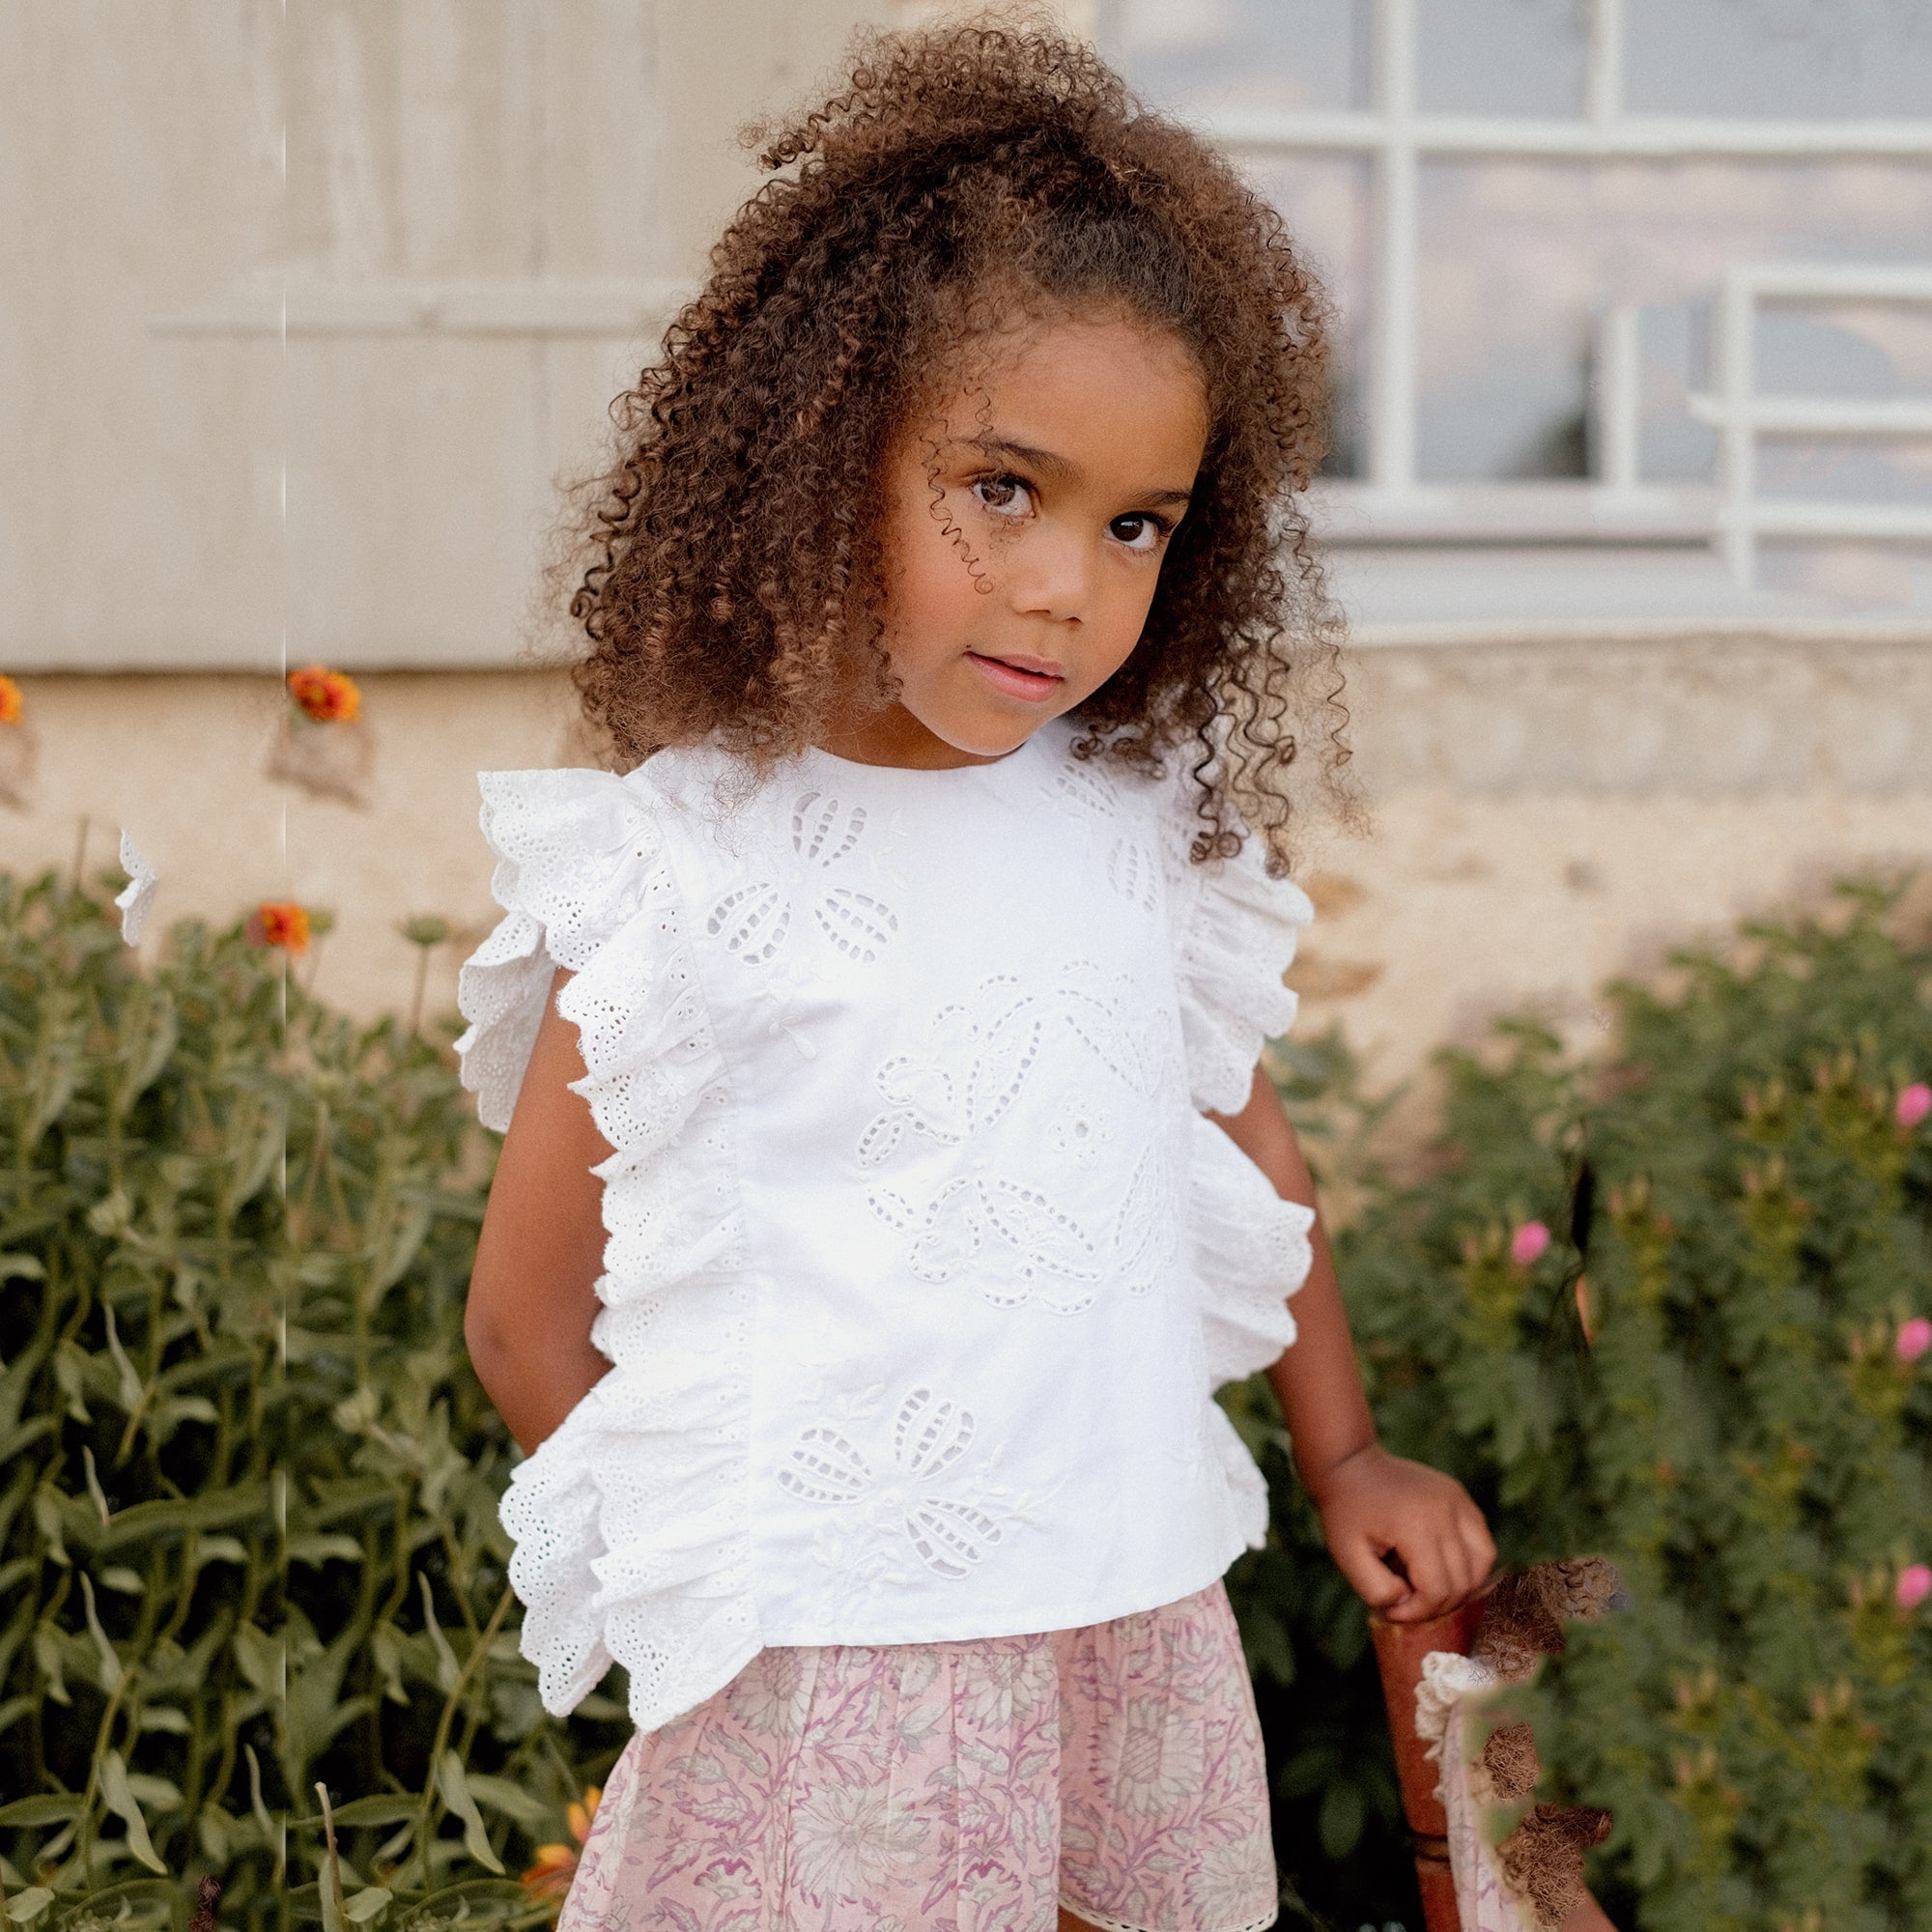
{"x":1324,"y":200}
{"x":1241,"y":54}
{"x":1503,"y":290}
{"x":1518,"y":257}
{"x":1845,"y":348}
{"x":1500,"y":56}
{"x":1808,"y":59}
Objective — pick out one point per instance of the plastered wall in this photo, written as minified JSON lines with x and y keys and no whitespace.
{"x":309,"y":306}
{"x":1513,"y":858}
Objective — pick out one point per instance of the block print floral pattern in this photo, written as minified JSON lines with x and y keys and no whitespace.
{"x":1101,"y":1082}
{"x":951,"y":1787}
{"x":911,"y":1490}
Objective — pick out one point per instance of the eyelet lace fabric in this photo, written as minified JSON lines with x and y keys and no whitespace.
{"x":900,"y":1071}
{"x":630,"y":1519}
{"x":1234,"y":931}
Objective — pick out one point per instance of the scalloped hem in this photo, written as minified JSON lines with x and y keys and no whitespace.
{"x":1088,"y":1916}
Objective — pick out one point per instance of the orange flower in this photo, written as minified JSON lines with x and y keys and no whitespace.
{"x":12,"y":703}
{"x":557,"y":1864}
{"x":328,"y":697}
{"x":279,"y":923}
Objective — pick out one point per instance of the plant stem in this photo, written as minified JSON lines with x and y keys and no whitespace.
{"x":478,"y":1651}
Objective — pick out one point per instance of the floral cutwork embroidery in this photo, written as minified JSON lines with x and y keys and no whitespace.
{"x":798,"y":874}
{"x":944,"y":1519}
{"x":1104,"y":1093}
{"x":1048,"y":1251}
{"x":1128,"y":863}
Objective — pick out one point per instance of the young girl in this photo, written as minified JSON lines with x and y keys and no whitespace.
{"x":891,"y":1179}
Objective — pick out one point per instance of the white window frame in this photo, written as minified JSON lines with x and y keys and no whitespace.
{"x":1392,"y":504}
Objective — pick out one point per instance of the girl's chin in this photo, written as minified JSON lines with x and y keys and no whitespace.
{"x":985,"y":733}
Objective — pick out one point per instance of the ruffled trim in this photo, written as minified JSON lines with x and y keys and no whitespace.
{"x":1234,"y":935}
{"x":1251,"y":1252}
{"x":630,"y":1520}
{"x":575,"y":848}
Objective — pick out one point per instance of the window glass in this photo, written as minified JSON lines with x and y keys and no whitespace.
{"x":1324,"y":200}
{"x":1268,"y":54}
{"x":1516,"y":259}
{"x":1803,"y":59}
{"x":1500,"y":56}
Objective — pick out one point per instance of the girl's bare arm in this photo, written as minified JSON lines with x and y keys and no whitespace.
{"x":532,"y":1296}
{"x":1373,"y":1505}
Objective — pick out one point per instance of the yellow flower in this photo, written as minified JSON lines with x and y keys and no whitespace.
{"x":328,"y":697}
{"x":557,"y":1864}
{"x":279,"y":923}
{"x":12,"y":703}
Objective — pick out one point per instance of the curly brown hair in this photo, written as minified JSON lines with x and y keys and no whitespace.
{"x":725,"y":567}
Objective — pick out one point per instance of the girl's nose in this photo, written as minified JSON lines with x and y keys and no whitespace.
{"x":1051,"y":577}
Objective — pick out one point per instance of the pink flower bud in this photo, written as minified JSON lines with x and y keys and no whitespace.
{"x":1527,"y":1242}
{"x":1914,"y":1337}
{"x":1913,"y":1103}
{"x":1915,"y":1585}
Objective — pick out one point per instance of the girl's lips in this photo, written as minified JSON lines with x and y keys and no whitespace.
{"x":1016,"y":680}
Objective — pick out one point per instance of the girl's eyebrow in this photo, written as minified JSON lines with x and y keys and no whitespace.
{"x":1048,"y":463}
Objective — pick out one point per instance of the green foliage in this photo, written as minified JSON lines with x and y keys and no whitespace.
{"x":1750,"y":1223}
{"x":248,"y":1539}
{"x":249,"y":1536}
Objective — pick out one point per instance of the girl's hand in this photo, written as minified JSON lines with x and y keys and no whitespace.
{"x":1375,"y":1506}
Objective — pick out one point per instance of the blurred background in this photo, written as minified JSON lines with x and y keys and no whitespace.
{"x":310,"y":307}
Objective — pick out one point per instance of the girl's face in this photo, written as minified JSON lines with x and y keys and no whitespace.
{"x":1024,"y":525}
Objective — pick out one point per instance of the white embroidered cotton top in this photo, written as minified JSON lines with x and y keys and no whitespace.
{"x":922,"y":1264}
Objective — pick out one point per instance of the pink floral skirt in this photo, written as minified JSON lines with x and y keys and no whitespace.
{"x":951,"y":1787}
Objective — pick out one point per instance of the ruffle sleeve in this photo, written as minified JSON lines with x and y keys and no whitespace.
{"x":573,"y":850}
{"x":630,"y":1520}
{"x":1252,"y":1252}
{"x":1233,"y":932}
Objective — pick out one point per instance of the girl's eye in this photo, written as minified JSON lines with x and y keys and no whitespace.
{"x":1005,"y":495}
{"x":1138,"y":530}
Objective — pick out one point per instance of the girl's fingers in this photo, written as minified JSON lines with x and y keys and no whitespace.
{"x":1481,"y":1546}
{"x":1370,"y":1579}
{"x":1427,"y":1562}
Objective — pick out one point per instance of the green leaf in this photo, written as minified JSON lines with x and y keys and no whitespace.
{"x":320,"y":1546}
{"x":120,"y":1800}
{"x":453,"y":1904}
{"x":31,"y":1813}
{"x":171,"y":1517}
{"x":130,"y":1382}
{"x":52,"y":1661}
{"x":366,"y":1904}
{"x":112,"y":1671}
{"x":373,"y":1811}
{"x":25,"y":1906}
{"x":271,"y":1833}
{"x":264,"y":1659}
{"x":454,"y":1786}
{"x":511,"y":1800}
{"x":447,"y":1669}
